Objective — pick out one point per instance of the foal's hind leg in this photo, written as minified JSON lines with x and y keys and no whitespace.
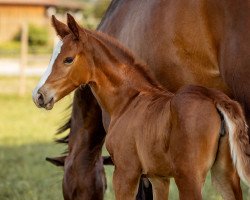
{"x":224,"y":175}
{"x":189,"y":186}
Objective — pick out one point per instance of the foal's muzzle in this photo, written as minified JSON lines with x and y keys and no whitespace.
{"x":43,"y":101}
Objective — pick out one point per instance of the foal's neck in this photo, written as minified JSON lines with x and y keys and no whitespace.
{"x":118,"y":77}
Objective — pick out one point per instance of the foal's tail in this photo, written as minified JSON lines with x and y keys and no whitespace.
{"x":237,"y":129}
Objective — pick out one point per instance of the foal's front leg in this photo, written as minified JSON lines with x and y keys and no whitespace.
{"x":125,"y":182}
{"x":160,"y":188}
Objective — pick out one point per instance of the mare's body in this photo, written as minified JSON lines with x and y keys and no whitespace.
{"x":204,"y":42}
{"x":151,"y":131}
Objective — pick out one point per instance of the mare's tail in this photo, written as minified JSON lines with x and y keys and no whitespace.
{"x":237,"y":129}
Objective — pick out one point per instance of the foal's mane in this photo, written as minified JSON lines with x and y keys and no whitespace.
{"x":125,"y":55}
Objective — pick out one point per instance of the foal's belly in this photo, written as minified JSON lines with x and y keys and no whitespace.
{"x":155,"y":162}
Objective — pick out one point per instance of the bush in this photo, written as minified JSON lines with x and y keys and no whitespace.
{"x":38,"y":35}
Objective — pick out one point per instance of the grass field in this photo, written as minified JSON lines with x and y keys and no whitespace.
{"x":26,"y":138}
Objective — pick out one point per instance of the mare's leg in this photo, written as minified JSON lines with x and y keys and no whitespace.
{"x":145,"y":191}
{"x":160,"y":188}
{"x":224,"y":175}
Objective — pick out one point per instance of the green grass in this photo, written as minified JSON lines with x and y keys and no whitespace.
{"x":26,"y":138}
{"x":26,"y":135}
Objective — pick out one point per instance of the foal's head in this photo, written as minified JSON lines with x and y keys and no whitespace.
{"x":83,"y":57}
{"x":63,"y":74}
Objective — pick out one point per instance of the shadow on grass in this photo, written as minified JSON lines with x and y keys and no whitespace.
{"x":25,"y":175}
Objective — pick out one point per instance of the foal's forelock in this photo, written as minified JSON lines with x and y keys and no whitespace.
{"x":48,"y":71}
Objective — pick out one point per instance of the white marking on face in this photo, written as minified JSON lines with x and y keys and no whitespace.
{"x":48,"y":71}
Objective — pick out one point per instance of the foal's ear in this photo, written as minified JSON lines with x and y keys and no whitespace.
{"x":61,"y":29}
{"x":75,"y":28}
{"x":57,"y":161}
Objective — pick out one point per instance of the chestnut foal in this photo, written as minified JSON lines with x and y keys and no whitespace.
{"x":152,"y":131}
{"x":84,"y":175}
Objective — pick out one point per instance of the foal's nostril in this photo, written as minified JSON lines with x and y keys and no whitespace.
{"x":40,"y":99}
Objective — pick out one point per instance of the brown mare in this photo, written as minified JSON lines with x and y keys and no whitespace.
{"x":204,"y":42}
{"x":84,"y":152}
{"x":151,"y":131}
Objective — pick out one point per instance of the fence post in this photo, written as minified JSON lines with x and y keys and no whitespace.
{"x":23,"y":59}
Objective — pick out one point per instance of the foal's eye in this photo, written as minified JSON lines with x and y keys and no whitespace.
{"x":68,"y":60}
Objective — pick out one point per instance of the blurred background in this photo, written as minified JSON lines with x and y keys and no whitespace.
{"x":26,"y":132}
